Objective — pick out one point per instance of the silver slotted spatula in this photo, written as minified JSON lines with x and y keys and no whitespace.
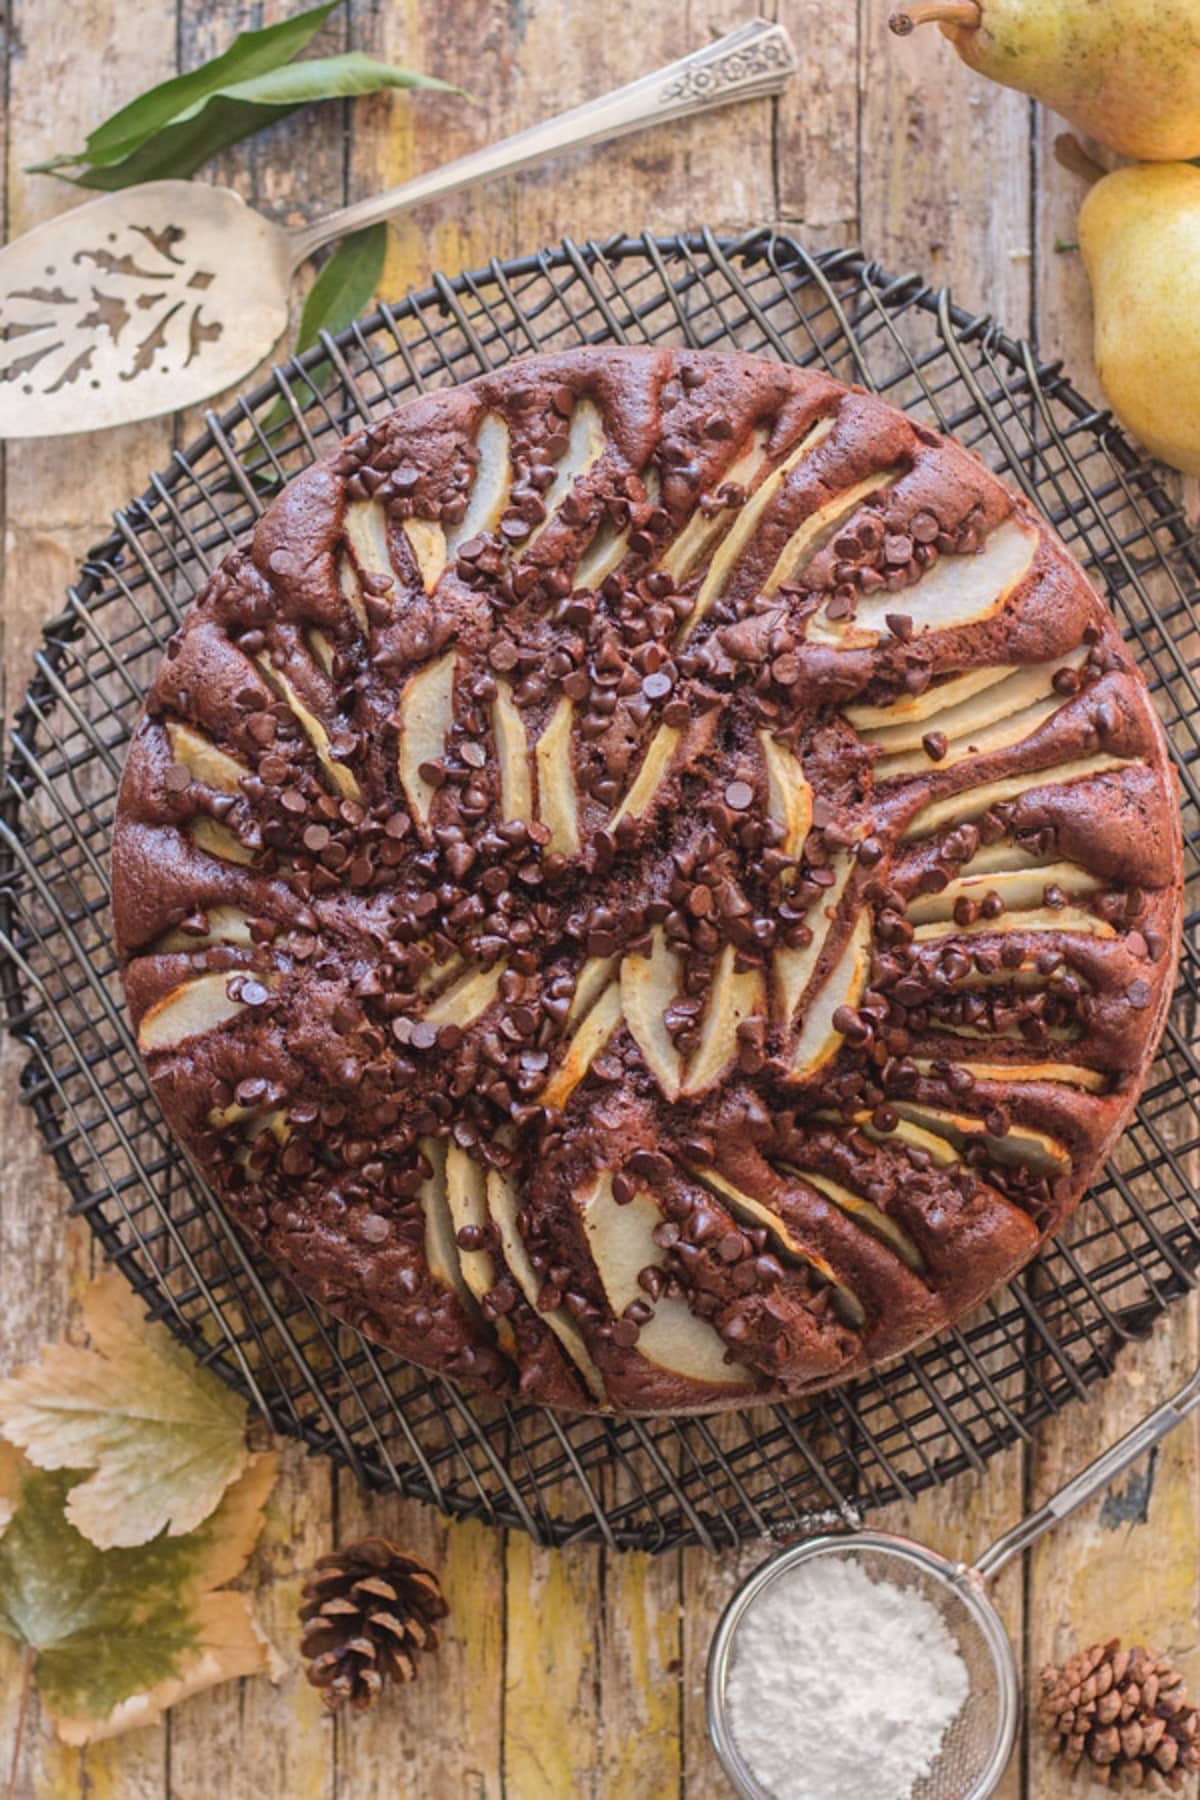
{"x":155,"y":297}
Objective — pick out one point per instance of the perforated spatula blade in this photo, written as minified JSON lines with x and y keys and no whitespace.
{"x":155,"y":297}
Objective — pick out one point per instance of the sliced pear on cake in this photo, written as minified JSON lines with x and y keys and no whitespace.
{"x":610,"y":546}
{"x":655,"y":765}
{"x":735,"y":995}
{"x":1019,"y":889}
{"x":944,"y":1154}
{"x":321,"y":648}
{"x":789,"y":795}
{"x":204,"y":762}
{"x":808,"y":537}
{"x":649,"y":985}
{"x":597,"y":1027}
{"x":217,"y":840}
{"x":621,"y":1240}
{"x":226,"y":925}
{"x":978,"y":711}
{"x":427,"y":541}
{"x":913,"y":709}
{"x":466,"y":1197}
{"x":466,"y":999}
{"x":749,"y":1210}
{"x":1000,"y":735}
{"x":512,"y":749}
{"x":586,"y":444}
{"x":490,"y":488}
{"x":1020,"y":1145}
{"x":439,"y":973}
{"x":504,"y":1206}
{"x":339,"y":775}
{"x":1064,"y":918}
{"x":426,"y":715}
{"x":792,"y":970}
{"x":366,"y":529}
{"x":819,"y":1039}
{"x":704,"y":528}
{"x":441,"y":1250}
{"x":190,"y":1010}
{"x":743,"y":528}
{"x":1092,"y":1081}
{"x":556,"y":782}
{"x":973,"y":802}
{"x":597,"y":974}
{"x":871,"y":1217}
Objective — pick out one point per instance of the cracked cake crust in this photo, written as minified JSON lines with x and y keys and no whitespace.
{"x":651,"y":882}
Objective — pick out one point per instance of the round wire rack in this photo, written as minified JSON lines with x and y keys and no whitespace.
{"x":631,"y":1483}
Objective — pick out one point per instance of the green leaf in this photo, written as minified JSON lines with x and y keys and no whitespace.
{"x":119,"y":1635}
{"x":252,"y":53}
{"x":164,"y":1436}
{"x":341,"y":291}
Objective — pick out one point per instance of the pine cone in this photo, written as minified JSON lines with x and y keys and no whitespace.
{"x":1124,"y":1716}
{"x":365,"y":1611}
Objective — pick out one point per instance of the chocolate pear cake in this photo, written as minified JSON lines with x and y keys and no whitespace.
{"x":652,"y":881}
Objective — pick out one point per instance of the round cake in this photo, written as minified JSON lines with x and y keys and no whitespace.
{"x":651,"y":882}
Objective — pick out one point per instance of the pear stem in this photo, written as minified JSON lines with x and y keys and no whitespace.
{"x":967,"y":13}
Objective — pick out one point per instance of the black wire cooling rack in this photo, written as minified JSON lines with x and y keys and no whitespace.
{"x":649,"y":1484}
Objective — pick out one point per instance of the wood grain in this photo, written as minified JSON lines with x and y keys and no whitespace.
{"x":576,"y":1673}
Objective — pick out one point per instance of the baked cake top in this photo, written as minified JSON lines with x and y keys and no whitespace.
{"x":651,"y":881}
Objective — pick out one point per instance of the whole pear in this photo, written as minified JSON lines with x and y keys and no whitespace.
{"x":1125,"y":71}
{"x":1139,"y":231}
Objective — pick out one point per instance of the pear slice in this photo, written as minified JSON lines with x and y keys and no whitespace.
{"x":792,"y":970}
{"x":466,"y":999}
{"x":254,"y":1120}
{"x":516,"y":787}
{"x":217,"y":840}
{"x":226,"y":925}
{"x":1065,"y":918}
{"x":819,"y":1038}
{"x":871,"y":1217}
{"x":556,"y":782}
{"x":954,"y":591}
{"x":746,"y":1208}
{"x":441,"y":1251}
{"x":701,"y":532}
{"x":960,"y":717}
{"x":621,"y":1240}
{"x":350,"y":588}
{"x":732,"y":997}
{"x":915,"y":1136}
{"x":1020,"y":1145}
{"x":595,"y":975}
{"x":1005,"y":854}
{"x":489,"y":490}
{"x":504,"y":1206}
{"x":956,"y":809}
{"x":912,"y":709}
{"x":789,"y":796}
{"x":804,"y":542}
{"x":590,"y":1039}
{"x":427,"y":715}
{"x":1092,"y":1081}
{"x":427,"y":541}
{"x":320,"y":645}
{"x":730,"y":549}
{"x":655,"y":764}
{"x":438,"y":974}
{"x":649,"y":985}
{"x":466,"y":1197}
{"x":609,"y":548}
{"x":984,"y":742}
{"x":1018,"y":888}
{"x":338,"y":774}
{"x":366,"y":528}
{"x":586,"y":444}
{"x":188,"y":1011}
{"x":203,"y":761}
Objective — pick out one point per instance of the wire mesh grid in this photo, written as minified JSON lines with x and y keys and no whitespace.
{"x":652,"y":1483}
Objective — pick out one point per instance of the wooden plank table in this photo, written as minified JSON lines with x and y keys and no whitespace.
{"x":577,"y":1673}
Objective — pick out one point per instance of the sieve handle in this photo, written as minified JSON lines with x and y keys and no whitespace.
{"x":1098,"y":1474}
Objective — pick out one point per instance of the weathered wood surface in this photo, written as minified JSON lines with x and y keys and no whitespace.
{"x":576,"y":1674}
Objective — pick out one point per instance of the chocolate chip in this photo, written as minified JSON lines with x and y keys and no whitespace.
{"x":1139,"y":994}
{"x":935,"y":745}
{"x":739,"y":795}
{"x":658,"y":685}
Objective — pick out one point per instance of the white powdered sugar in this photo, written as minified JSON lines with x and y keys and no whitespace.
{"x":841,"y":1687}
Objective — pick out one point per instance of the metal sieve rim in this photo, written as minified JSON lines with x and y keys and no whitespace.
{"x":966,"y":1584}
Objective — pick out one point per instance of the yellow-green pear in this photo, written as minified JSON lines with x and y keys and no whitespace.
{"x":1139,"y":231}
{"x":1125,"y":71}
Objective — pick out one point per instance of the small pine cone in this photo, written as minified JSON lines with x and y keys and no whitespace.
{"x":1124,"y":1716}
{"x":365,"y":1611}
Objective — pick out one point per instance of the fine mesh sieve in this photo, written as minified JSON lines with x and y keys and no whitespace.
{"x":978,"y":1743}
